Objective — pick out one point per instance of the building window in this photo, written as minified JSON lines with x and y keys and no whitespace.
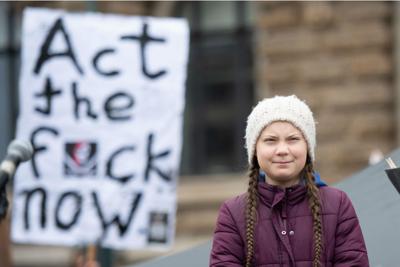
{"x":219,"y":86}
{"x":7,"y":76}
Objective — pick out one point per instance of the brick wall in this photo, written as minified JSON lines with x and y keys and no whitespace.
{"x":338,"y":57}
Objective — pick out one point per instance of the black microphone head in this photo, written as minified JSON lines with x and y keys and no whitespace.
{"x":20,"y":149}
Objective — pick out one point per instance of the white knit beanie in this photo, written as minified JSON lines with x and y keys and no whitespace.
{"x":280,"y":108}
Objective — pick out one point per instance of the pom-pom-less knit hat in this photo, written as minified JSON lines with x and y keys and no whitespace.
{"x":280,"y":108}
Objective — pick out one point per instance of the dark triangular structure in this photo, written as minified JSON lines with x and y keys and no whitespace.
{"x":377,"y":204}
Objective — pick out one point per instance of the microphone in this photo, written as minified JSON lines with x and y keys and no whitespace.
{"x":18,"y":151}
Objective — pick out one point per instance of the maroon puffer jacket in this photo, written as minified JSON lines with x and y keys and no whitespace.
{"x":283,"y":233}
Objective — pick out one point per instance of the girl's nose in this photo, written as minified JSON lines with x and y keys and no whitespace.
{"x":282,"y":149}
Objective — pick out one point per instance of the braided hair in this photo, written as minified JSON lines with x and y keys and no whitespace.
{"x":251,"y":209}
{"x":314,"y":203}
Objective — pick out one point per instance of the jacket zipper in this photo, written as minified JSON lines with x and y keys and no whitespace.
{"x":284,"y":219}
{"x":284,"y":214}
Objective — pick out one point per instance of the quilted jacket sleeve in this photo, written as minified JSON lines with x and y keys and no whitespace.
{"x":350,"y":248}
{"x":227,"y":248}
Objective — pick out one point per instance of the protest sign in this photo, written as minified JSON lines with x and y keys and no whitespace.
{"x":102,"y":101}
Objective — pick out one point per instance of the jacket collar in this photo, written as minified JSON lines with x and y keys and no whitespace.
{"x":318,"y":181}
{"x":271,"y":195}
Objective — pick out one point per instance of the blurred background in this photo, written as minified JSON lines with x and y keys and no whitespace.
{"x":341,"y":57}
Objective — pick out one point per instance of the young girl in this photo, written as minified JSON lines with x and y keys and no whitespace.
{"x":288,"y":217}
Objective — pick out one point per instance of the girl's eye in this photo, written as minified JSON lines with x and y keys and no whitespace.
{"x":294,"y":138}
{"x":269,"y":140}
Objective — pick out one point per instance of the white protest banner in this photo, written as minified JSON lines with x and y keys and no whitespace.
{"x":102,"y":101}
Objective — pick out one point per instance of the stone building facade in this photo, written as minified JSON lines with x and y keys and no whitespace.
{"x":339,"y":57}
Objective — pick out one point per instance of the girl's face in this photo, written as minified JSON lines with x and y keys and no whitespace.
{"x":281,"y":152}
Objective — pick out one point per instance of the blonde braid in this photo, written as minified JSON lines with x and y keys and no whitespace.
{"x":315,"y":206}
{"x":251,"y":210}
